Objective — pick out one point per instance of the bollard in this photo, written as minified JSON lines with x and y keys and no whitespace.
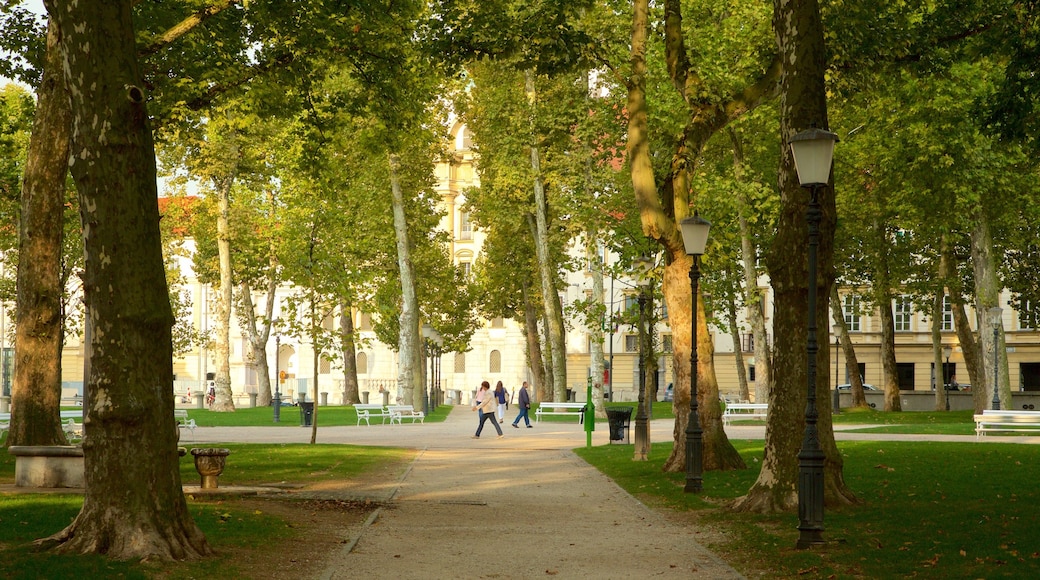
{"x":324,"y":399}
{"x":252,"y":400}
{"x":364,"y":397}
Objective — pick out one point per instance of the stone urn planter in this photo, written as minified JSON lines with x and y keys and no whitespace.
{"x":209,"y":462}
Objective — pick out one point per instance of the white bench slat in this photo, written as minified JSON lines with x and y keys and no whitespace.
{"x":1006,"y":421}
{"x":399,"y":412}
{"x":560,"y":409}
{"x":367,"y":411}
{"x":740,"y":411}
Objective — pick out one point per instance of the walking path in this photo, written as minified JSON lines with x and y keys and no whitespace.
{"x":523,"y":506}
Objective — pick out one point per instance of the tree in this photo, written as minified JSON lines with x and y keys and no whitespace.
{"x":803,"y":104}
{"x":132,"y":508}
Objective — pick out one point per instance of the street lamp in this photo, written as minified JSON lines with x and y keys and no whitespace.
{"x":430,"y":338}
{"x":947,"y":351}
{"x":641,"y":268}
{"x":695,"y":238}
{"x":277,"y":403}
{"x":994,"y":320}
{"x":837,"y":365}
{"x":813,"y":151}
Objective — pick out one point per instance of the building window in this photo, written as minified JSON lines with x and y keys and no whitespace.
{"x":495,"y":362}
{"x":362,"y":363}
{"x":666,"y":343}
{"x":631,"y":343}
{"x":465,"y":226}
{"x":1026,"y":316}
{"x":947,"y":315}
{"x":324,"y":366}
{"x":751,"y":373}
{"x":850,"y":308}
{"x":364,"y":321}
{"x":498,"y":322}
{"x":904,"y":313}
{"x":747,"y":342}
{"x":466,"y":269}
{"x":460,"y":362}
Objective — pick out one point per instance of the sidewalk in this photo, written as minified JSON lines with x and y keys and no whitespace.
{"x":519,"y":507}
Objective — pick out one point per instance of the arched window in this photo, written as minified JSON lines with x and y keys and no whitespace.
{"x":460,"y":362}
{"x":495,"y":362}
{"x":362,"y":363}
{"x":324,"y":366}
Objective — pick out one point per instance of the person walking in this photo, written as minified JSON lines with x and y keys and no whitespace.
{"x":500,"y":396}
{"x":486,"y":409}
{"x":524,"y":404}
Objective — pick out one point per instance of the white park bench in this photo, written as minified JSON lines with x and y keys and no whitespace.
{"x":553,"y":408}
{"x":400,"y":412}
{"x":744,"y":411}
{"x":1009,"y":421}
{"x":184,"y":422}
{"x":367,"y":411}
{"x":69,"y":423}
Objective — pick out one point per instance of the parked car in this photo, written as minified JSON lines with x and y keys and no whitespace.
{"x":957,"y":387}
{"x":866,"y":387}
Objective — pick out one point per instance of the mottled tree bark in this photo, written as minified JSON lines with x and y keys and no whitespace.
{"x":346,"y":337}
{"x":534,"y":349}
{"x":859,"y":399}
{"x":133,"y":507}
{"x":800,"y":44}
{"x":408,"y":335}
{"x":222,"y":346}
{"x":36,"y":392}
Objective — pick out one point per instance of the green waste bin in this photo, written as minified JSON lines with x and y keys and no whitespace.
{"x":306,"y":413}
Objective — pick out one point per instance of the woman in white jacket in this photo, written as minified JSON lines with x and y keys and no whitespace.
{"x":486,"y":406}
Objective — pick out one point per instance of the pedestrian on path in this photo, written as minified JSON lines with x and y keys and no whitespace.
{"x":524,"y":403}
{"x":500,"y":396}
{"x":486,"y":409}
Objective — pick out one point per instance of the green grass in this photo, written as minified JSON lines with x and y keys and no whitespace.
{"x":27,"y":517}
{"x":263,"y":416}
{"x":928,"y":510}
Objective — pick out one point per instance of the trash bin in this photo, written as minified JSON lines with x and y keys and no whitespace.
{"x":618,"y":421}
{"x":306,"y":413}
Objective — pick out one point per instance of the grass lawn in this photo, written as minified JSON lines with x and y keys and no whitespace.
{"x":928,"y":510}
{"x":230,"y":525}
{"x":262,"y":416}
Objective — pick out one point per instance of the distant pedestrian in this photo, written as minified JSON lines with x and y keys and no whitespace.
{"x":524,"y":403}
{"x":486,"y":409}
{"x":478,"y":398}
{"x":500,"y":396}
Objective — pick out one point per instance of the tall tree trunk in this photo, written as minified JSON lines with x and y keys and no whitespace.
{"x":752,"y":294}
{"x":258,"y":336}
{"x":316,"y":358}
{"x":936,"y":332}
{"x":596,"y":328}
{"x":987,"y":295}
{"x":534,"y":349}
{"x":547,"y":369}
{"x":859,"y":399}
{"x":800,"y":44}
{"x":890,"y":371}
{"x":546,"y":268}
{"x":408,"y":335}
{"x":346,"y":338}
{"x":36,"y":393}
{"x":133,"y":506}
{"x":743,"y":393}
{"x":965,"y":335}
{"x":222,"y":346}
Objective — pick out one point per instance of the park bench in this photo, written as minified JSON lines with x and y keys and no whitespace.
{"x":184,"y":422}
{"x":553,"y":408}
{"x":742,"y":411}
{"x":367,"y":411}
{"x":73,"y":429}
{"x":400,"y":412}
{"x":1009,"y":421}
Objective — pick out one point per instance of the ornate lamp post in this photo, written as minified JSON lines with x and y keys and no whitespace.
{"x":695,"y":238}
{"x":994,"y":321}
{"x":947,"y":351}
{"x":837,"y":365}
{"x":276,"y":404}
{"x":813,"y":151}
{"x":641,"y":267}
